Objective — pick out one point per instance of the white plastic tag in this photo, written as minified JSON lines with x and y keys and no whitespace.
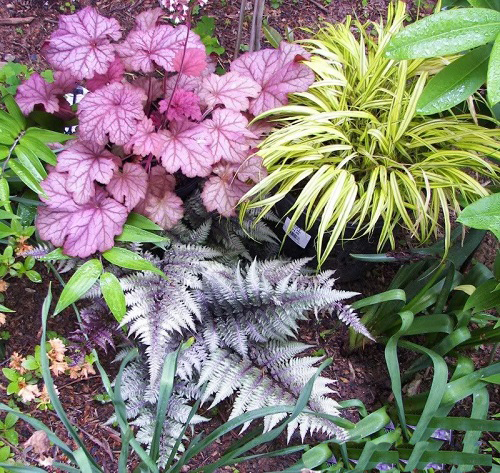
{"x":297,"y":235}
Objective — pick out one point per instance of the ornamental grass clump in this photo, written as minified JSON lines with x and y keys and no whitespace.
{"x":351,"y":149}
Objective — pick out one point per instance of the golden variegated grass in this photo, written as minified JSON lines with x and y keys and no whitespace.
{"x":352,"y":150}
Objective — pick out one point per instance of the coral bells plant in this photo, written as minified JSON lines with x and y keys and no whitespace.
{"x":155,"y":111}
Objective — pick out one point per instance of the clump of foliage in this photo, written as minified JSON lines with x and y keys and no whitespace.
{"x":243,"y":320}
{"x":136,"y":130}
{"x":353,"y":150}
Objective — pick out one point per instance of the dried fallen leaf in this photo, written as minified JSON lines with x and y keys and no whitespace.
{"x":39,"y":441}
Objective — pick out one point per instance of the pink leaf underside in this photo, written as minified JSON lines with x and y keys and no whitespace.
{"x":80,"y":229}
{"x":148,"y":19}
{"x":229,"y":133}
{"x":85,"y":162}
{"x":150,"y":85}
{"x":145,"y":140}
{"x":143,"y":50}
{"x":184,"y":104}
{"x":231,"y":90}
{"x":252,"y":169}
{"x":194,"y":62}
{"x":222,"y":194}
{"x":114,"y":110}
{"x":36,"y":91}
{"x":129,"y":186}
{"x":277,"y":72}
{"x":113,"y":74}
{"x":187,"y":148}
{"x":82,"y":45}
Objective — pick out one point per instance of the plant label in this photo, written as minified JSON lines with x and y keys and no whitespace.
{"x":297,"y":235}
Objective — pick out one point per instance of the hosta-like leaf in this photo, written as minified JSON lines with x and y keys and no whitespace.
{"x":145,"y":140}
{"x":278,"y":72}
{"x":114,"y":73}
{"x":143,"y":50}
{"x":191,"y":62}
{"x":129,"y":185}
{"x":493,"y":79}
{"x":229,"y":133}
{"x":82,"y":45}
{"x":80,"y":229}
{"x":86,"y":162}
{"x":113,"y":295}
{"x":187,"y":148}
{"x":231,"y":90}
{"x":114,"y":110}
{"x":483,"y":214}
{"x":222,"y":192}
{"x":456,"y":82}
{"x":37,"y":91}
{"x":446,"y":32}
{"x":183,"y":104}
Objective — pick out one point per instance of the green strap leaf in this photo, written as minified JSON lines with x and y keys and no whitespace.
{"x":139,"y":221}
{"x":484,"y":297}
{"x":493,"y":4}
{"x":26,"y":176}
{"x":113,"y":295}
{"x":494,"y":73}
{"x":48,"y":136}
{"x":14,"y":110}
{"x":5,"y":194}
{"x":83,"y":279}
{"x":31,"y":162}
{"x":456,"y":82}
{"x":39,"y":149}
{"x":130,"y":260}
{"x":446,"y":32}
{"x":138,"y":235}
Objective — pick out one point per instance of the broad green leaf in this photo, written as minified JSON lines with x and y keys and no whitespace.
{"x":30,"y":161}
{"x":316,"y":456}
{"x":456,"y":82}
{"x":26,"y":176}
{"x":139,"y":221}
{"x":113,"y":295}
{"x":15,"y":111}
{"x":40,"y":149}
{"x":5,"y":194}
{"x":10,"y":420}
{"x":54,"y":255}
{"x":48,"y":136}
{"x":483,"y":214}
{"x":446,"y":32}
{"x":83,"y":279}
{"x":493,"y":4}
{"x":494,"y":379}
{"x":134,"y":234}
{"x":272,"y":35}
{"x":130,"y":260}
{"x":493,"y":81}
{"x":10,"y":374}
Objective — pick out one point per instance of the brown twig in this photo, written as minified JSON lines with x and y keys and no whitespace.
{"x":16,"y":21}
{"x":321,"y":7}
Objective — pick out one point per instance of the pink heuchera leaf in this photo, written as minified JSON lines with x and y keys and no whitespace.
{"x":277,"y":72}
{"x":194,"y":62}
{"x":85,"y":162}
{"x":186,"y":148}
{"x":113,"y":74}
{"x":82,"y":45}
{"x":148,"y":19}
{"x":231,"y":90}
{"x":161,"y":204}
{"x":229,"y":133}
{"x":252,"y":169}
{"x":150,"y":85}
{"x":145,"y":140}
{"x":64,"y":82}
{"x":80,"y":229}
{"x":142,"y":50}
{"x":36,"y":91}
{"x":184,"y":104}
{"x":114,"y":110}
{"x":129,"y":186}
{"x":222,"y":192}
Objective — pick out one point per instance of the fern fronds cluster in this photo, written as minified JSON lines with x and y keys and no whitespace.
{"x":244,"y":320}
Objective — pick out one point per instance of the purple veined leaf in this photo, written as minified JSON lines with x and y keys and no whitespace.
{"x":166,"y":211}
{"x":145,"y":140}
{"x":149,"y":85}
{"x":144,"y":50}
{"x":114,"y":73}
{"x":230,"y":135}
{"x":37,"y":91}
{"x":80,"y":230}
{"x":86,"y":162}
{"x":159,"y":182}
{"x":192,"y":61}
{"x":187,"y":148}
{"x":114,"y":110}
{"x":193,"y":84}
{"x":222,"y":192}
{"x":129,"y":185}
{"x":278,"y":72}
{"x":82,"y":44}
{"x":252,"y":169}
{"x":64,"y":82}
{"x":231,"y":90}
{"x":148,"y":19}
{"x":184,"y":104}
